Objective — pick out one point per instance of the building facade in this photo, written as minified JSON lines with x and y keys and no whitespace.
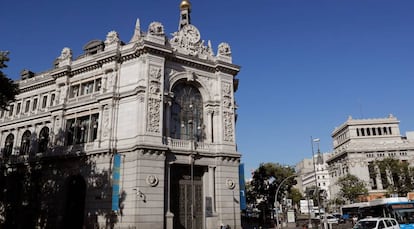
{"x":137,"y":134}
{"x":313,"y":173}
{"x":359,"y":143}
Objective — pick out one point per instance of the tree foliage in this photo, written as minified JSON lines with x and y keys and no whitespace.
{"x":265,"y":181}
{"x":396,"y":176}
{"x":351,"y":187}
{"x":8,"y":89}
{"x":295,"y":195}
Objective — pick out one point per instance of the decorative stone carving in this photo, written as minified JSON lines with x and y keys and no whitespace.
{"x":154,"y":88}
{"x":153,"y":116}
{"x":154,"y":101}
{"x":230,"y":184}
{"x":112,"y":41}
{"x":187,"y":41}
{"x":152,"y":180}
{"x":66,"y":54}
{"x":65,"y":57}
{"x":112,"y":38}
{"x":63,"y":92}
{"x":224,"y":49}
{"x":168,"y":72}
{"x":105,"y":118}
{"x":155,"y":72}
{"x":191,"y":76}
{"x":228,"y":126}
{"x":226,"y":89}
{"x":227,"y":101}
{"x":156,"y":29}
{"x":110,"y":79}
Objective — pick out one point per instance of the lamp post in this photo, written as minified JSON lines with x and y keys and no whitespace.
{"x":192,"y":160}
{"x":276,"y":202}
{"x":317,"y":140}
{"x":193,"y":156}
{"x":309,"y":209}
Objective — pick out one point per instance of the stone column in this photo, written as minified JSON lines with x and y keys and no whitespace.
{"x":378,"y":178}
{"x":169,"y":216}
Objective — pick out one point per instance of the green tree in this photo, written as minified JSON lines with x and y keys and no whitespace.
{"x":396,"y":176}
{"x":8,"y":89}
{"x":351,"y":187}
{"x":295,"y":195}
{"x":265,"y":180}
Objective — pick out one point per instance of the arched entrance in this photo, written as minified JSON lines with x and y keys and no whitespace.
{"x":75,"y":202}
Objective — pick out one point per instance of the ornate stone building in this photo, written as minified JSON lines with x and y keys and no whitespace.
{"x":137,"y":134}
{"x":359,"y":143}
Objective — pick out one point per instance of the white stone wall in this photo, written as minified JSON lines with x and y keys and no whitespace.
{"x":354,"y":155}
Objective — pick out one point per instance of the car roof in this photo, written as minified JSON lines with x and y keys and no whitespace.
{"x":375,"y":218}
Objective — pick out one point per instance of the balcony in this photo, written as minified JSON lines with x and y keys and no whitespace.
{"x":180,"y":144}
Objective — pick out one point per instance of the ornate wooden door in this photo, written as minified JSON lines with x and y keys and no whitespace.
{"x":185,"y":204}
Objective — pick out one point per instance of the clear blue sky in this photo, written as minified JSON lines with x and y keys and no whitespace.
{"x":306,"y":64}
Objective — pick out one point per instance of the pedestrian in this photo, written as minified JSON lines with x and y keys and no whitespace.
{"x":354,"y":219}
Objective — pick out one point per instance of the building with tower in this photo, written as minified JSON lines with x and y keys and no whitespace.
{"x":137,"y":134}
{"x":313,"y":173}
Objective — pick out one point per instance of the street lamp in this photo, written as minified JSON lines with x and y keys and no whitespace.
{"x":277,"y":191}
{"x":192,"y":157}
{"x":317,"y":140}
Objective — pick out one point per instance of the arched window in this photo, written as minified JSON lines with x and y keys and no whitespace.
{"x":43,"y":139}
{"x":187,"y":113}
{"x":8,"y":145}
{"x":25,"y":144}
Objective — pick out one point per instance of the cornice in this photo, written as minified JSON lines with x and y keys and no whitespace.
{"x":90,"y":63}
{"x":37,"y":118}
{"x":37,"y":86}
{"x":60,"y":72}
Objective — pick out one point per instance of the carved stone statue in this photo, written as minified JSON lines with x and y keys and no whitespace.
{"x":66,"y":54}
{"x":112,"y":38}
{"x":156,"y":28}
{"x":224,"y":49}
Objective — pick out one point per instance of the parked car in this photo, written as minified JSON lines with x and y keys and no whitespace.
{"x":330,"y":219}
{"x":377,"y":223}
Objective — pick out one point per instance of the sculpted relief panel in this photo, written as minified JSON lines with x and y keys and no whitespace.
{"x":105,"y":119}
{"x":227,"y":112}
{"x":154,"y":101}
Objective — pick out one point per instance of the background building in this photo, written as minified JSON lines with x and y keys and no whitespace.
{"x":137,"y":134}
{"x":313,"y":175}
{"x":359,"y":143}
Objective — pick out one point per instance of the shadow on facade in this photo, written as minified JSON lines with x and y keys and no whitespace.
{"x":63,"y":191}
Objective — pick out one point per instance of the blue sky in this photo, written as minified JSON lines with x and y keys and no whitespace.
{"x":306,"y":65}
